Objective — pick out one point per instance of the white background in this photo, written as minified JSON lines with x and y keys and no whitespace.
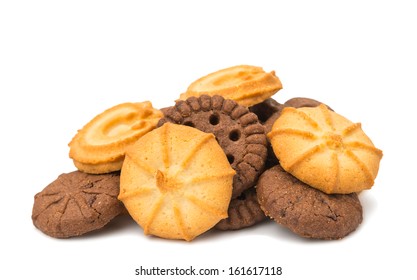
{"x":62,"y":63}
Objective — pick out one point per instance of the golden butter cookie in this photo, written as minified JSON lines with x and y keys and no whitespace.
{"x":325,"y":150}
{"x":176,"y":182}
{"x":99,"y":147}
{"x":247,"y":85}
{"x":269,"y":111}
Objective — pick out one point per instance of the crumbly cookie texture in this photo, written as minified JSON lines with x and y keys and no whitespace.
{"x":99,"y":147}
{"x":325,"y":150}
{"x":307,"y":211}
{"x":245,"y":84}
{"x":176,"y":182}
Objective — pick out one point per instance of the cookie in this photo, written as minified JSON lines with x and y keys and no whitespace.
{"x":307,"y":211}
{"x":296,"y":102}
{"x":176,"y":182}
{"x":244,"y":211}
{"x":325,"y":150}
{"x":247,"y":85}
{"x":77,"y":203}
{"x":237,"y":130}
{"x":99,"y":147}
{"x":299,"y":102}
{"x":266,"y":112}
{"x":266,"y":109}
{"x":270,"y":110}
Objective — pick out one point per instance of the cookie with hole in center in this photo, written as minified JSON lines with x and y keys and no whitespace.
{"x":237,"y":130}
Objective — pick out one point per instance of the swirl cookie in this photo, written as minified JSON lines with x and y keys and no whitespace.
{"x":245,"y":84}
{"x":176,"y":182}
{"x":244,"y":211}
{"x":325,"y":150}
{"x":306,"y":211}
{"x":99,"y":147}
{"x":237,"y":130}
{"x":77,"y":203}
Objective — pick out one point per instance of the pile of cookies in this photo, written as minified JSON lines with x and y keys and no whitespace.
{"x":226,"y":156}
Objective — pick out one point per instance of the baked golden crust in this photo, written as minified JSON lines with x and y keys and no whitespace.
{"x":176,"y":182}
{"x":99,"y":147}
{"x":245,"y":84}
{"x":325,"y":150}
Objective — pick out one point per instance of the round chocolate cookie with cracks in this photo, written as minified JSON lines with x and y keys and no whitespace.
{"x":307,"y":211}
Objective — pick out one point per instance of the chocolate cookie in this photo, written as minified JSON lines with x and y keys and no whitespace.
{"x":77,"y":203}
{"x":237,"y":130}
{"x":298,"y":102}
{"x":306,"y":211}
{"x":244,"y":211}
{"x":266,"y":109}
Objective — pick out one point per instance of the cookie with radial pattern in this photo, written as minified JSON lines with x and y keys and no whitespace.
{"x":325,"y":150}
{"x":307,"y":211}
{"x":276,"y":108}
{"x":77,"y":203}
{"x":271,"y":110}
{"x":176,"y":182}
{"x":237,"y":130}
{"x":244,"y":211}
